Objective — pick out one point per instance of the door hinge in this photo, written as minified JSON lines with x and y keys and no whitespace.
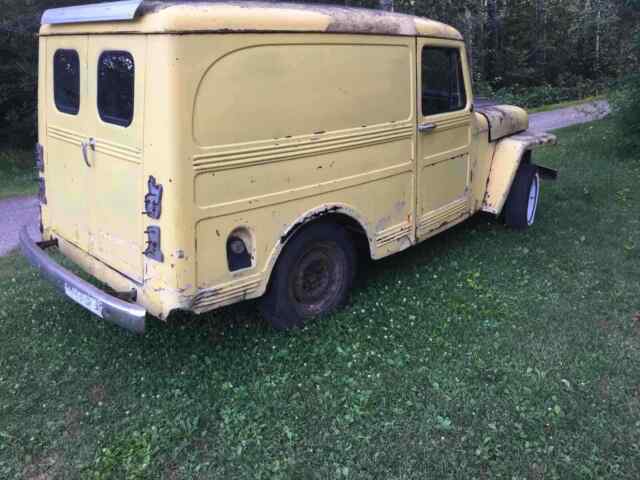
{"x":153,"y":250}
{"x":39,"y":154}
{"x":153,"y":199}
{"x":42,"y":190}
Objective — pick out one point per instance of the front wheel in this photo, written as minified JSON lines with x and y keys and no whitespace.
{"x":522,"y":203}
{"x":312,"y":277}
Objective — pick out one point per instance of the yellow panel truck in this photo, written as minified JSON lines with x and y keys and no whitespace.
{"x":196,"y":154}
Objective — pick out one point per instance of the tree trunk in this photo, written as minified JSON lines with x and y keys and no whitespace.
{"x":492,"y":38}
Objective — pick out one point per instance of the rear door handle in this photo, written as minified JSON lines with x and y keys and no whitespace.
{"x":91,"y":143}
{"x":426,"y":127}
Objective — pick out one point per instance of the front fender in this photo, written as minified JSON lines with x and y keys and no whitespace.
{"x":507,"y":157}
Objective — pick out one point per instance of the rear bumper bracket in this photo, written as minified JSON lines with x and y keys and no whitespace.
{"x":126,"y":315}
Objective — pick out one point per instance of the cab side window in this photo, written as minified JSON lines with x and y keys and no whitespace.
{"x":442,"y":81}
{"x":66,"y":81}
{"x":116,"y":75}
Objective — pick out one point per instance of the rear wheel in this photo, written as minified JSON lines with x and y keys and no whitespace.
{"x":522,"y":203}
{"x":312,"y":278}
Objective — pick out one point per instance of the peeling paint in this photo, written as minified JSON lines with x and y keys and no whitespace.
{"x":383,"y":223}
{"x":506,"y":160}
{"x":306,"y":219}
{"x":504,"y":120}
{"x":183,"y":16}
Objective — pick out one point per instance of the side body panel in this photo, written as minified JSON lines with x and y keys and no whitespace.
{"x":285,"y":128}
{"x":169,"y":100}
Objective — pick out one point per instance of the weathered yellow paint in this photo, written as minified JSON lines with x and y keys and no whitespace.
{"x":183,"y":17}
{"x":504,"y":120}
{"x":508,"y":155}
{"x":259,"y":133}
{"x":443,"y":157}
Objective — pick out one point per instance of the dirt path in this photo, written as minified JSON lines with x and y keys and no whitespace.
{"x":565,"y":117}
{"x":17,"y":212}
{"x":14,"y":214}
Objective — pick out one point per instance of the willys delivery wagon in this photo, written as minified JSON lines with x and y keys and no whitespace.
{"x":196,"y":154}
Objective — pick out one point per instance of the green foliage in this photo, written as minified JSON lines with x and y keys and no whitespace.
{"x":17,"y":173}
{"x":17,"y":85}
{"x":537,"y":96}
{"x":625,"y":102}
{"x":19,"y":26}
{"x":126,"y":457}
{"x":530,"y":51}
{"x":481,"y":353}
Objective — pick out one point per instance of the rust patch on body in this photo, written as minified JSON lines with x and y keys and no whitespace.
{"x":306,"y":220}
{"x":340,"y":19}
{"x":504,"y":120}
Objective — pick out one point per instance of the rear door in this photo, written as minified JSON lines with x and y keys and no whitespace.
{"x":69,"y":121}
{"x":116,"y":92}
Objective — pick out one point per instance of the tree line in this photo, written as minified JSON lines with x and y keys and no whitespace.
{"x":524,"y":51}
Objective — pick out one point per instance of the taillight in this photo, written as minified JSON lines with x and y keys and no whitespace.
{"x":238,"y":255}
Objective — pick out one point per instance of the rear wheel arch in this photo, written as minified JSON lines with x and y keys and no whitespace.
{"x":338,"y":214}
{"x":313,"y":274}
{"x":341,"y":216}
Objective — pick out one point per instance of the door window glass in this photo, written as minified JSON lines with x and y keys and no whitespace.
{"x":442,"y":81}
{"x":116,"y":74}
{"x":66,"y":81}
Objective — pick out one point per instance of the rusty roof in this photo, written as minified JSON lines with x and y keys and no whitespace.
{"x":181,"y":16}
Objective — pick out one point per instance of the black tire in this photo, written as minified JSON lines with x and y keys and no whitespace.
{"x":312,"y":278}
{"x":516,"y":209}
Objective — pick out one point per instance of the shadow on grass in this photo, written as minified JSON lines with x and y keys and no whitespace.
{"x":220,"y":324}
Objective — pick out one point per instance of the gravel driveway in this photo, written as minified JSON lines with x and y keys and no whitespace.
{"x":17,"y":212}
{"x":14,"y":214}
{"x":565,"y":117}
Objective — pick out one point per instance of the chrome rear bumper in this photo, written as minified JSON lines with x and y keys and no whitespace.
{"x":126,"y":315}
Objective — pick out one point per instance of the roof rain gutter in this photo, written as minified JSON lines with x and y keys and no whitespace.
{"x":100,"y":12}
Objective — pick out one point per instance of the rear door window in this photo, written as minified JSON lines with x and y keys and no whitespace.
{"x":66,"y":81}
{"x":442,"y":81}
{"x":116,"y":76}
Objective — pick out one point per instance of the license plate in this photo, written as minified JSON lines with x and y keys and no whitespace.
{"x":88,"y":302}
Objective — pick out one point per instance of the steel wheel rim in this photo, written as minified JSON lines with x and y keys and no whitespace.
{"x":532,"y":201}
{"x":316,"y":280}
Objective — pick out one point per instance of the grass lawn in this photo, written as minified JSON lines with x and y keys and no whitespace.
{"x":483,"y":353}
{"x":17,"y":173}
